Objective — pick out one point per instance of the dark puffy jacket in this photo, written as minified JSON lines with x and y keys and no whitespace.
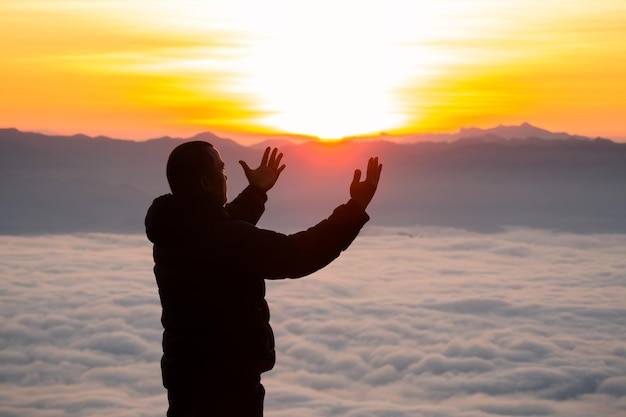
{"x":210,"y":266}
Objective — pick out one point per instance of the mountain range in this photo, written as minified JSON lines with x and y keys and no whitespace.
{"x":521,"y":132}
{"x":477,"y":179}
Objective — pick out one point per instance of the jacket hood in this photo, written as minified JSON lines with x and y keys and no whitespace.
{"x":161,"y":218}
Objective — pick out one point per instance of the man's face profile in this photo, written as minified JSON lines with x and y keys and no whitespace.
{"x":215,"y":182}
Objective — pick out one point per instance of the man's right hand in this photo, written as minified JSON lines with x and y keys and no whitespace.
{"x":264,"y":177}
{"x":363,"y":191}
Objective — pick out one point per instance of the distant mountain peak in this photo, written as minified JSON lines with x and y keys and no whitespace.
{"x":523,"y":131}
{"x":206,"y":136}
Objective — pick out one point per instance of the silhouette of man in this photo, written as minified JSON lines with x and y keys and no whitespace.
{"x":210,"y":265}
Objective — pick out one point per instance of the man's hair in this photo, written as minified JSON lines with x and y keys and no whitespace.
{"x":186,"y":164}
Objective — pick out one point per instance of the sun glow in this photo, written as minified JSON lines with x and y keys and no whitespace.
{"x":338,"y":68}
{"x":314,"y":75}
{"x":326,"y":68}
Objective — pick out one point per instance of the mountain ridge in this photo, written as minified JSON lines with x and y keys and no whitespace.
{"x":60,"y":184}
{"x":504,"y":132}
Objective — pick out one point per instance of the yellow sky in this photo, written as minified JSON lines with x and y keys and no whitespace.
{"x":330,"y":68}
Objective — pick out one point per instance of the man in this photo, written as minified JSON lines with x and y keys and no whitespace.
{"x":210,"y":265}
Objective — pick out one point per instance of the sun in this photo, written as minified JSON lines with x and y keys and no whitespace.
{"x":331,"y":86}
{"x":313,"y":74}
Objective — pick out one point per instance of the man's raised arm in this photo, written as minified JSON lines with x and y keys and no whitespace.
{"x":275,"y":255}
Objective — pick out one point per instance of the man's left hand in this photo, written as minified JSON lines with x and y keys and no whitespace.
{"x":265,"y":176}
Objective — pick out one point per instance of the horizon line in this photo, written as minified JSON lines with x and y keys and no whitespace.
{"x":259,"y":138}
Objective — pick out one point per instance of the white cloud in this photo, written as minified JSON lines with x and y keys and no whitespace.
{"x":408,"y":322}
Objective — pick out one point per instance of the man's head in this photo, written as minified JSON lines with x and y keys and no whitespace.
{"x":195,"y":169}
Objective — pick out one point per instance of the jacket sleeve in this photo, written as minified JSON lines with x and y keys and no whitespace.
{"x":274,"y":255}
{"x":247,"y":206}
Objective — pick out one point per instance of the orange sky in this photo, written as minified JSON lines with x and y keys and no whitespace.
{"x":144,"y":68}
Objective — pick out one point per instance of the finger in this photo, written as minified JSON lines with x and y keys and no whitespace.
{"x":245,"y":167}
{"x":375,"y":164}
{"x":265,"y":155}
{"x":377,"y":170}
{"x":357,"y":176}
{"x":278,"y":159}
{"x":273,"y":157}
{"x":279,"y":170}
{"x":371,"y":168}
{"x":373,"y":171}
{"x":377,"y":167}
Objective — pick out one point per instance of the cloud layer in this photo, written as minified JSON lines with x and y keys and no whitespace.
{"x":408,"y":322}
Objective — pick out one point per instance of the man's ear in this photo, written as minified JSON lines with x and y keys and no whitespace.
{"x":205,"y":184}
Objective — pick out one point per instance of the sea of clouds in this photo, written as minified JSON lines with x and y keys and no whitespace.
{"x":406,"y":323}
